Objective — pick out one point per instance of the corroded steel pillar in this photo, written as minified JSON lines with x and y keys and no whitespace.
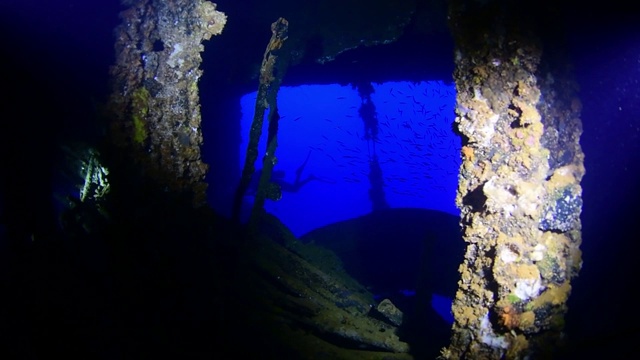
{"x":155,"y":103}
{"x":519,"y":185}
{"x":271,"y":74}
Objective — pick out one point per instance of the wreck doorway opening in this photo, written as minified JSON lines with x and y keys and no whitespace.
{"x":368,"y":167}
{"x":368,"y":159}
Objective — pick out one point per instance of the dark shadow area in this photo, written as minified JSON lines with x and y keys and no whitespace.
{"x":410,"y":58}
{"x":406,"y":256}
{"x":599,"y":323}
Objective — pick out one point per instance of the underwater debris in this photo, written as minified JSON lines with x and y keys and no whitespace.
{"x":302,"y":298}
{"x":96,"y":183}
{"x":390,"y":312}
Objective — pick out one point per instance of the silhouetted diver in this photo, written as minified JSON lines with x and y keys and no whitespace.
{"x":278,"y":177}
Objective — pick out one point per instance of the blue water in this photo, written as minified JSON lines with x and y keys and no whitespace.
{"x":326,"y":152}
{"x":343,"y":153}
{"x":442,"y":305}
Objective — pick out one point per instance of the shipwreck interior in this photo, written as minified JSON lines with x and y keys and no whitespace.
{"x":329,"y":180}
{"x":353,"y":176}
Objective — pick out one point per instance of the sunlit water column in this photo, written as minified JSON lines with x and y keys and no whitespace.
{"x":519,"y":186}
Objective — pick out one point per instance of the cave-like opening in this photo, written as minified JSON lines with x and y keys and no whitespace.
{"x":368,"y":161}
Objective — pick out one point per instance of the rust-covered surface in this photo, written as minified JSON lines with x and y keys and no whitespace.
{"x":519,"y":187}
{"x":270,"y":79}
{"x":155,"y":101}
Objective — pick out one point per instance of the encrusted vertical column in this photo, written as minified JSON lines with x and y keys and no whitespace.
{"x":272,"y":71}
{"x":155,"y":102}
{"x":518,"y":191}
{"x":270,"y":81}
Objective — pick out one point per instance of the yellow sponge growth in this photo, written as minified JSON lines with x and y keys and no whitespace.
{"x":139,"y":112}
